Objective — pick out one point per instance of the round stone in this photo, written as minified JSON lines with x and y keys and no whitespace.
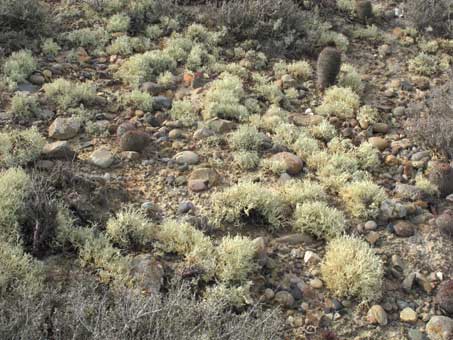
{"x":292,"y":163}
{"x":377,"y":315}
{"x":379,"y":143}
{"x":404,"y":229}
{"x":408,"y":315}
{"x":444,"y":297}
{"x":440,"y":328}
{"x":445,"y":223}
{"x":284,"y":298}
{"x":187,"y":157}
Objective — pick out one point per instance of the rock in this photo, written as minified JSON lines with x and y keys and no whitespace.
{"x":102,"y":158}
{"x":58,"y":150}
{"x":294,"y":164}
{"x":130,"y":155}
{"x":408,"y":315}
{"x":207,"y":175}
{"x":311,"y":258}
{"x":444,"y":297}
{"x":125,"y":127}
{"x":185,"y":207}
{"x":404,"y":228}
{"x":378,"y":142}
{"x":418,"y":156}
{"x":152,"y":88}
{"x":175,"y":134}
{"x":305,"y":120}
{"x":423,"y":282}
{"x":370,"y":225}
{"x":162,"y":103}
{"x":220,"y":125}
{"x":391,"y":209}
{"x":421,"y":83}
{"x":269,"y":294}
{"x":147,"y":272}
{"x":37,"y":79}
{"x":203,"y":133}
{"x":408,"y":282}
{"x":373,"y":237}
{"x":152,"y":119}
{"x":134,"y":140}
{"x":409,"y":192}
{"x":380,"y":128}
{"x":377,"y":316}
{"x":316,"y":283}
{"x":294,"y":239}
{"x":441,"y":174}
{"x":187,"y":157}
{"x":27,"y":87}
{"x":440,"y":328}
{"x":64,"y":128}
{"x":445,"y":223}
{"x":197,"y":185}
{"x":284,"y":298}
{"x":415,"y":334}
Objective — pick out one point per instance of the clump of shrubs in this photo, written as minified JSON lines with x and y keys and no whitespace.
{"x":118,"y":23}
{"x":19,"y":147}
{"x":247,"y":138}
{"x":363,"y":199}
{"x":318,"y":219}
{"x":224,"y":97}
{"x":24,"y":105}
{"x":296,"y":192}
{"x":248,"y":202}
{"x":91,"y":38}
{"x":352,"y":269}
{"x":130,"y":228}
{"x":125,"y":45}
{"x":434,"y":14}
{"x":339,"y":101}
{"x":184,"y":111}
{"x":67,"y":94}
{"x":139,"y":100}
{"x":367,"y":115}
{"x":18,"y":67}
{"x":246,"y":160}
{"x":50,"y":48}
{"x":349,"y":77}
{"x":424,"y":64}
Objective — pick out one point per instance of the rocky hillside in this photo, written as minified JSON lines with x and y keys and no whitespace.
{"x":247,"y":169}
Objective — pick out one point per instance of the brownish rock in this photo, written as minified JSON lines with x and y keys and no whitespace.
{"x":444,"y":297}
{"x":134,"y":140}
{"x":294,"y":164}
{"x":441,"y":174}
{"x":404,"y":228}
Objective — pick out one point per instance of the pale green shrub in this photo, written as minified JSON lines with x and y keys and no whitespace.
{"x":19,"y":272}
{"x":249,"y":202}
{"x":269,"y":90}
{"x":18,"y":67}
{"x":349,"y":77}
{"x":153,"y":32}
{"x":125,"y":45}
{"x":50,"y":48}
{"x":286,"y":134}
{"x":140,"y":100}
{"x":184,"y":111}
{"x":236,"y":296}
{"x":339,"y":101}
{"x":223,"y":99}
{"x":92,"y":38}
{"x":331,"y":37}
{"x":199,"y":58}
{"x":371,"y":33}
{"x":274,"y":166}
{"x":305,"y":146}
{"x":368,"y":156}
{"x":300,"y":70}
{"x":19,"y":147}
{"x":318,"y":219}
{"x":346,"y":5}
{"x":363,"y":199}
{"x":130,"y":227}
{"x":368,"y":115}
{"x":14,"y":185}
{"x":429,"y":46}
{"x":166,"y":79}
{"x":118,"y":23}
{"x":67,"y":94}
{"x":352,"y":269}
{"x":246,"y":160}
{"x":424,"y":64}
{"x":296,"y":192}
{"x":235,"y":259}
{"x":425,"y":185}
{"x":247,"y":138}
{"x":145,"y":67}
{"x":24,"y":105}
{"x":323,"y":131}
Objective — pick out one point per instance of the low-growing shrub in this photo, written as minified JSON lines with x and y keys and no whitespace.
{"x":323,"y":131}
{"x":367,"y":116}
{"x":125,"y":45}
{"x":90,"y":38}
{"x":184,"y":111}
{"x":300,"y":70}
{"x":247,"y":138}
{"x":50,"y":48}
{"x":24,"y":105}
{"x":139,"y":100}
{"x":145,"y":67}
{"x":424,"y":64}
{"x":286,"y":134}
{"x":425,"y":185}
{"x":274,"y":166}
{"x":267,"y":89}
{"x":368,"y":156}
{"x":363,"y":199}
{"x":19,"y":272}
{"x":433,"y":126}
{"x":305,"y":146}
{"x":67,"y":94}
{"x":130,"y":228}
{"x":183,"y":239}
{"x":296,"y":192}
{"x":318,"y":219}
{"x":19,"y":147}
{"x":246,"y":160}
{"x":235,"y":259}
{"x":349,"y":77}
{"x":233,"y":295}
{"x":370,"y":33}
{"x":352,"y":269}
{"x":224,"y":97}
{"x":14,"y":188}
{"x":435,"y":14}
{"x":118,"y":23}
{"x":248,"y":202}
{"x":339,"y":101}
{"x":18,"y":67}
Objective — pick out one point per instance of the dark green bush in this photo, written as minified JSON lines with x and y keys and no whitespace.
{"x":21,"y":20}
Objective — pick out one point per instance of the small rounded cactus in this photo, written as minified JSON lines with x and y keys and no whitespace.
{"x":328,"y":67}
{"x":134,"y":140}
{"x":364,"y":10}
